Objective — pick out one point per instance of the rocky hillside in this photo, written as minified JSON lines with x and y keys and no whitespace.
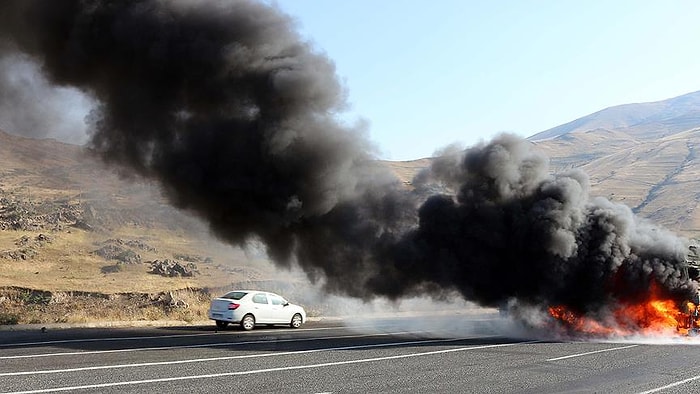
{"x":643,"y":155}
{"x":76,"y":239}
{"x":67,"y":223}
{"x":646,"y":156}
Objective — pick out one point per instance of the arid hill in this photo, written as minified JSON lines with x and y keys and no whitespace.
{"x":643,"y":155}
{"x":77,"y":239}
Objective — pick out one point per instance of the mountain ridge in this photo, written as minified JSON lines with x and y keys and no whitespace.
{"x":640,"y":120}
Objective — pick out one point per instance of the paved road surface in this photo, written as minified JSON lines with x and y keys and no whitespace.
{"x":383,"y":355}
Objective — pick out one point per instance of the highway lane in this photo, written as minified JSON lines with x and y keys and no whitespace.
{"x":389,"y":355}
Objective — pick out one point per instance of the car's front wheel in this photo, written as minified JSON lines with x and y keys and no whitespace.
{"x":296,"y":321}
{"x":221,"y":324}
{"x":248,"y":322}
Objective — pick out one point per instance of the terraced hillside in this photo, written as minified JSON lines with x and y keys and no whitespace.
{"x":643,"y":155}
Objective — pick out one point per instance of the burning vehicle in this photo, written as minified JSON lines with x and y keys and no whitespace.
{"x":655,"y":314}
{"x":689,"y":321}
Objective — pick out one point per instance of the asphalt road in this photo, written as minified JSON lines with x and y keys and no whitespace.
{"x":459,"y":354}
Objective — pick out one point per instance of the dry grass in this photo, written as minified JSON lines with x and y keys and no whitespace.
{"x":81,"y":291}
{"x":25,"y":306}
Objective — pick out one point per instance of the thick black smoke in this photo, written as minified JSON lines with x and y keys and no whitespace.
{"x":512,"y":229}
{"x":235,"y":116}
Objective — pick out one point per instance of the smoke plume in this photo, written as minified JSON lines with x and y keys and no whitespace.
{"x":236,"y":117}
{"x":31,"y":106}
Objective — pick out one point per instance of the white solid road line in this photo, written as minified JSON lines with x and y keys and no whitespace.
{"x":201,"y":345}
{"x":668,"y":386}
{"x":289,"y":368}
{"x":593,"y":352}
{"x":208,"y":359}
{"x":60,"y":341}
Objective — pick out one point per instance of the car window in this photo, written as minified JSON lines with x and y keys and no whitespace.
{"x":277,"y":300}
{"x":260,"y":298}
{"x":234,"y":295}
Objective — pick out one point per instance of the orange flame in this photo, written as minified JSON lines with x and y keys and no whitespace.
{"x":652,"y":316}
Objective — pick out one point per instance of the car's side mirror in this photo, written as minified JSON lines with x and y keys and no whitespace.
{"x":286,"y":303}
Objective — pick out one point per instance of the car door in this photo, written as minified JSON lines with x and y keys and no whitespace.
{"x":262,"y":308}
{"x":279,"y":311}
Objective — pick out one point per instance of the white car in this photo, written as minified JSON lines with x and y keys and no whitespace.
{"x":251,"y":307}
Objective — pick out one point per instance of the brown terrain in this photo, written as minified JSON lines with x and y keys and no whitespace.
{"x":643,"y":155}
{"x":80,"y":244}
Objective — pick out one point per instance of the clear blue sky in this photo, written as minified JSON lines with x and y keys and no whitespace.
{"x":425,"y":74}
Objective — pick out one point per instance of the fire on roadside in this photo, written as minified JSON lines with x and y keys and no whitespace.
{"x":652,"y":316}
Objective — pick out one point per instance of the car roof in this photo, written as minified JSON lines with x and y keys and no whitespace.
{"x":252,"y":291}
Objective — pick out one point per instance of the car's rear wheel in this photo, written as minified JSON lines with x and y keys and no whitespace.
{"x":248,"y":322}
{"x":296,"y":321}
{"x":221,"y":324}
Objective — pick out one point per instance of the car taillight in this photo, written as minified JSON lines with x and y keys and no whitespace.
{"x":232,"y":306}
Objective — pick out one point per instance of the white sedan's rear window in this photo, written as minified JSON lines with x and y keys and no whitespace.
{"x":234,"y":295}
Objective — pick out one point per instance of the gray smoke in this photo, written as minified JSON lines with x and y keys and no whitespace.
{"x":31,"y":106}
{"x":236,"y":117}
